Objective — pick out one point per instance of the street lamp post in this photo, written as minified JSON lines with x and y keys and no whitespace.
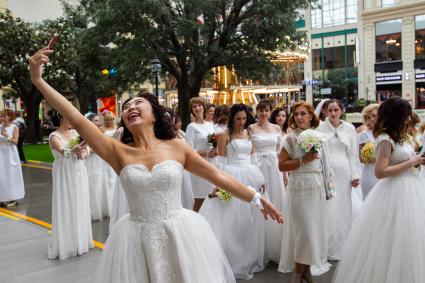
{"x":156,"y":69}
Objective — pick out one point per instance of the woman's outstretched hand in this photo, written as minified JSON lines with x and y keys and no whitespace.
{"x":270,"y":210}
{"x":37,"y":60}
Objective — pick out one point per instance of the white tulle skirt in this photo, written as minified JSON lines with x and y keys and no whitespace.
{"x":386,"y":242}
{"x":98,"y":186}
{"x":276,"y":194}
{"x":119,"y":204}
{"x":239,"y":226}
{"x":182,"y":249}
{"x":187,"y":194}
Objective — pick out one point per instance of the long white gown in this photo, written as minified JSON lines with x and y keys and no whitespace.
{"x":119,"y":204}
{"x":196,"y":136}
{"x":11,"y":179}
{"x":387,"y":238}
{"x":304,"y":236}
{"x":368,"y":178}
{"x":239,"y":226}
{"x":266,"y":146}
{"x":98,"y":187}
{"x":71,"y":223}
{"x":159,"y":241}
{"x":342,"y":141}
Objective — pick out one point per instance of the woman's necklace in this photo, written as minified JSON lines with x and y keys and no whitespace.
{"x":264,"y":126}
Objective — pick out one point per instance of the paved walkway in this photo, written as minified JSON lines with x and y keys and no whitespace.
{"x":23,"y":246}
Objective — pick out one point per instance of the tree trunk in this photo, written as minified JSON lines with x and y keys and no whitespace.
{"x":183,"y":106}
{"x":32,"y":102}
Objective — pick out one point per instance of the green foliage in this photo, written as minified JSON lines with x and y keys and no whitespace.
{"x":190,"y":37}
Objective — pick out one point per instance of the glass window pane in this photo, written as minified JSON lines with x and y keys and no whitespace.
{"x":317,"y":59}
{"x":388,"y":27}
{"x":420,"y":44}
{"x":351,"y":11}
{"x":316,"y":18}
{"x":339,"y":58}
{"x":388,"y":47}
{"x":351,"y":55}
{"x":420,"y":22}
{"x":387,"y":3}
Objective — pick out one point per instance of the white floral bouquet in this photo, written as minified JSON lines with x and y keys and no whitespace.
{"x":311,"y":140}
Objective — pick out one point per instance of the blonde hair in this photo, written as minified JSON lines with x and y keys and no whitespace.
{"x":367,"y":111}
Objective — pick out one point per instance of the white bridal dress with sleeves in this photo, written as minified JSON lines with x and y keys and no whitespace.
{"x":304,"y":237}
{"x":11,"y":180}
{"x":71,"y":221}
{"x":387,"y":238}
{"x":159,"y":241}
{"x":239,"y":226}
{"x":197,"y":137}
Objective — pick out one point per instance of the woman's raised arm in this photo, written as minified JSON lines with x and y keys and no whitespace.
{"x":100,"y":143}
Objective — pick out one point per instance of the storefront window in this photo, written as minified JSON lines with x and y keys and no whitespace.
{"x":388,"y":41}
{"x":420,"y":37}
{"x":317,"y":59}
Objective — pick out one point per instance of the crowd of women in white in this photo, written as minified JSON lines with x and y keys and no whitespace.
{"x":316,"y":229}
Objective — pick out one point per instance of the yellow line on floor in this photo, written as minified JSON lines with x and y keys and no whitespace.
{"x":36,"y":166}
{"x":9,"y":216}
{"x":34,"y":161}
{"x":17,"y":216}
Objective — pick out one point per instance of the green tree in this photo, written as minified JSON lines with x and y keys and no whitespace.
{"x":191,"y":36}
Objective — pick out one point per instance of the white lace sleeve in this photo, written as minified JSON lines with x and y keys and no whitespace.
{"x":364,"y":138}
{"x":288,"y":144}
{"x":190,"y":135}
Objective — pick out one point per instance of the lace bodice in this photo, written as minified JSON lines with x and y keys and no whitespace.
{"x":401,"y":152}
{"x":155,"y":195}
{"x":239,"y":151}
{"x":266,"y":143}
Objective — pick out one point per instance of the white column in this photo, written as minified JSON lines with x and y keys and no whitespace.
{"x":408,"y":57}
{"x":368,"y":63}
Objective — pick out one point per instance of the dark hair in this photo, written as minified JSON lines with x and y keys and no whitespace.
{"x":91,"y":116}
{"x":209,"y":105}
{"x":263,"y":104}
{"x":162,"y":127}
{"x":221,"y":114}
{"x":392,"y":116}
{"x":56,"y":119}
{"x":250,"y":118}
{"x":324,"y":108}
{"x":233,"y":111}
{"x":330,"y":101}
{"x":315,"y":121}
{"x":274,"y":115}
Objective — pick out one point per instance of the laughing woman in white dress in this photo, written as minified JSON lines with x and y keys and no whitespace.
{"x":233,"y":220}
{"x":266,"y":138}
{"x":344,"y":156}
{"x":71,"y":221}
{"x":197,"y":137}
{"x":11,"y":180}
{"x":304,"y":241}
{"x":368,"y":178}
{"x":387,"y":239}
{"x":158,"y":241}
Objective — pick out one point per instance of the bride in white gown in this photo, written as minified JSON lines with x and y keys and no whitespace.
{"x":387,"y":238}
{"x":158,"y":241}
{"x":233,"y":220}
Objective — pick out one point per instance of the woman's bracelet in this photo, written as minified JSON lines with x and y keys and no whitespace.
{"x":301,"y":162}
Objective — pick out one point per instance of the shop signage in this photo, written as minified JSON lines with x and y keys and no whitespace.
{"x":420,"y":76}
{"x":312,"y":82}
{"x":326,"y":91}
{"x":388,"y":78}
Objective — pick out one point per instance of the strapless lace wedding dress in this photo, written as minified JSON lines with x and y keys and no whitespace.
{"x":159,"y":241}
